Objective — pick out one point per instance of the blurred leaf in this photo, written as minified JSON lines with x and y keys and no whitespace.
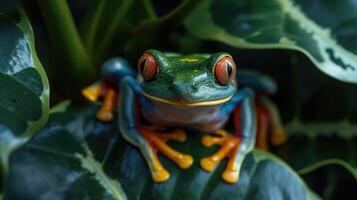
{"x":77,"y":157}
{"x":24,"y":89}
{"x":332,"y":182}
{"x":312,"y":146}
{"x":323,"y":30}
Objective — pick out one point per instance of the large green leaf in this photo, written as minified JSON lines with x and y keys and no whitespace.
{"x":77,"y":157}
{"x":24,"y":86}
{"x":323,"y":122}
{"x":313,"y":146}
{"x":324,"y":30}
{"x":332,"y":182}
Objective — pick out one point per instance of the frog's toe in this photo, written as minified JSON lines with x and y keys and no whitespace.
{"x":105,"y":113}
{"x":230,"y":176}
{"x":178,"y":135}
{"x":185,"y":161}
{"x":209,"y":141}
{"x":105,"y":116}
{"x":92,"y":92}
{"x":161,"y":175}
{"x":208,"y":164}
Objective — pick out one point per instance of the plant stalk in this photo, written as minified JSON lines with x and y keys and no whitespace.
{"x":66,"y":39}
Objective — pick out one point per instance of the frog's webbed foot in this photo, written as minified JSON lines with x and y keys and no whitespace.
{"x":229,"y":148}
{"x":97,"y":90}
{"x":157,"y":138}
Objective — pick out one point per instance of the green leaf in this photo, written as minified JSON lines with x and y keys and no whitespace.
{"x":323,"y":30}
{"x":332,"y":182}
{"x":24,"y":89}
{"x":313,"y":146}
{"x":77,"y":157}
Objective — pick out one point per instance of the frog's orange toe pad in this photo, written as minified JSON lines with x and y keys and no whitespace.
{"x":230,"y":176}
{"x":92,"y":92}
{"x":105,"y":116}
{"x":185,"y":161}
{"x":160,"y":176}
{"x":208,"y":164}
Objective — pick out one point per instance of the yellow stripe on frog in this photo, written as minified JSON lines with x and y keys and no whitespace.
{"x":189,"y":104}
{"x":188,"y":60}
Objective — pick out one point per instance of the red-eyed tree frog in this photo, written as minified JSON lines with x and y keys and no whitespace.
{"x":197,"y":91}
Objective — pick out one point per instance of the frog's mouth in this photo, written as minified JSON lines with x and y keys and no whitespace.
{"x":187,"y":103}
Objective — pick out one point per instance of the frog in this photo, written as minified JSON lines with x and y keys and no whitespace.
{"x":171,"y":93}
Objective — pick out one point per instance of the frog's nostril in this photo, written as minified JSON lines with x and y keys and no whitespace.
{"x":194,"y":87}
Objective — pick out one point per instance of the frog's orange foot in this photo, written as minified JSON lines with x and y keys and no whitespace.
{"x":97,"y":90}
{"x":229,"y":147}
{"x":157,"y":142}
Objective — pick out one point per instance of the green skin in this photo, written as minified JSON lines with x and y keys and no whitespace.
{"x":188,"y":78}
{"x":183,"y":80}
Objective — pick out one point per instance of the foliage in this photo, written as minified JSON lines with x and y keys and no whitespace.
{"x":75,"y":156}
{"x":322,"y":30}
{"x":24,"y":87}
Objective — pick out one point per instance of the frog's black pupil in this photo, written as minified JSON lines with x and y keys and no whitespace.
{"x":142,"y":65}
{"x":229,"y":69}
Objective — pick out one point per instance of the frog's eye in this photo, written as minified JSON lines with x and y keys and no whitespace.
{"x":147,"y":66}
{"x":225,"y":70}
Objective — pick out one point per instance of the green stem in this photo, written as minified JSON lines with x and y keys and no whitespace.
{"x":89,"y":35}
{"x":149,"y":9}
{"x":109,"y":34}
{"x":179,"y":13}
{"x":65,"y":37}
{"x":174,"y":17}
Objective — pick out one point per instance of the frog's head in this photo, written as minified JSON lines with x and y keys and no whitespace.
{"x":191,"y":80}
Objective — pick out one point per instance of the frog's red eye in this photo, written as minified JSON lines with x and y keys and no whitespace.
{"x":225,"y":70}
{"x":147,"y":66}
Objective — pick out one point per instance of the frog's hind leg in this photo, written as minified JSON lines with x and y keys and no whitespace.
{"x":263,"y":122}
{"x":277,"y":133}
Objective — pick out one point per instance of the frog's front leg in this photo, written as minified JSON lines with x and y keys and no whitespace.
{"x":234,"y":146}
{"x":149,"y":140}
